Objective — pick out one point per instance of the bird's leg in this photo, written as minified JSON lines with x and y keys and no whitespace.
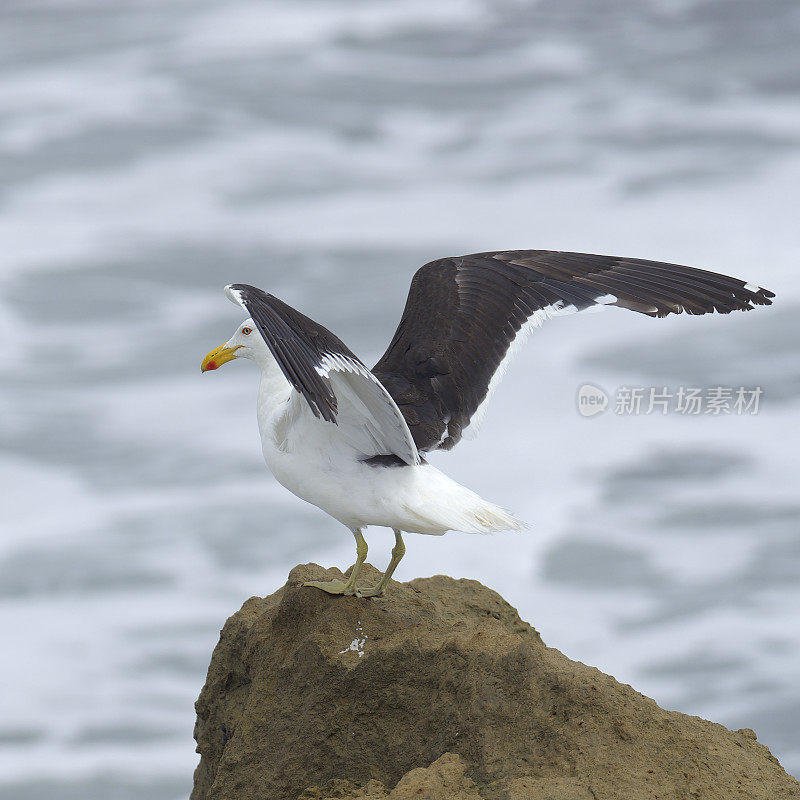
{"x":349,"y":586}
{"x":398,"y":551}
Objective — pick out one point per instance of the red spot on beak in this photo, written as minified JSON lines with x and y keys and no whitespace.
{"x":211,"y":365}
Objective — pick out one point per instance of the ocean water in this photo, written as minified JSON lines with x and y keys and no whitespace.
{"x":151,"y":152}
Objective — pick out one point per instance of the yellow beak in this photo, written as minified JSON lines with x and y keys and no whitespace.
{"x":218,"y":357}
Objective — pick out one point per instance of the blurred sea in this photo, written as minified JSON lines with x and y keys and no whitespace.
{"x":151,"y":152}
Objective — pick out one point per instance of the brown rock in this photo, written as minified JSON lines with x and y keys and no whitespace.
{"x":438,"y":691}
{"x":445,"y":779}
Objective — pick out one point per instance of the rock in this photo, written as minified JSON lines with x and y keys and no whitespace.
{"x":438,"y":691}
{"x":442,"y":780}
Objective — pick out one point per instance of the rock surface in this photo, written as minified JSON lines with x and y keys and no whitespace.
{"x":438,"y":691}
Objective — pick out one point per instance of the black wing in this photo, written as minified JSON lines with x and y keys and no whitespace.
{"x":462,"y":314}
{"x":333,"y":382}
{"x":298,"y":343}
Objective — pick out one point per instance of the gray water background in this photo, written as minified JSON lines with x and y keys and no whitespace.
{"x":151,"y":152}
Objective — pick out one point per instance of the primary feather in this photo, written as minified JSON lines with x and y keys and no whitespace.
{"x":464,"y":316}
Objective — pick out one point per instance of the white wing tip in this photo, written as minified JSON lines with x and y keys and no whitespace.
{"x":606,"y":299}
{"x":234,"y":295}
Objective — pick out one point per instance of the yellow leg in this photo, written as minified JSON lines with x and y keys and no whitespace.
{"x":398,"y":551}
{"x":349,"y":586}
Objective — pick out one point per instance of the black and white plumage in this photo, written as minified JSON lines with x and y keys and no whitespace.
{"x":463,"y":316}
{"x":330,"y":426}
{"x":330,"y":378}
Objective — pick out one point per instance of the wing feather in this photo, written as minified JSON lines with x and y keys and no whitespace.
{"x":463,"y":315}
{"x":328,"y":379}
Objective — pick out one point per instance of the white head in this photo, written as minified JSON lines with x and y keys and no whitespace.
{"x":246,"y":342}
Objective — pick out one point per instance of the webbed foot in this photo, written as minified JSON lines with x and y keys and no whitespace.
{"x":374,"y":591}
{"x":333,"y":587}
{"x":347,"y":587}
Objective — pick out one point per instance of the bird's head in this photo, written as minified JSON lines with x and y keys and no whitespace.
{"x":247,"y":342}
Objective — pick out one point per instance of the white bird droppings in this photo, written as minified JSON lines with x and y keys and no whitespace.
{"x":357,"y":645}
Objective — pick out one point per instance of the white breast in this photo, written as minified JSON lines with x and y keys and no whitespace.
{"x":313,"y":461}
{"x":306,"y":456}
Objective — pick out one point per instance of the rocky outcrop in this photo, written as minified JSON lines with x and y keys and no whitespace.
{"x":439,"y":691}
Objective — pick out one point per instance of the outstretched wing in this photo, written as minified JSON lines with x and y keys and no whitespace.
{"x":335,"y":385}
{"x":465,"y":316}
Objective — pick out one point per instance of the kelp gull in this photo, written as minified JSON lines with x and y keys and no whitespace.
{"x":352,"y":440}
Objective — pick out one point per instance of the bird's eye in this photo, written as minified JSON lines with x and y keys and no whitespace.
{"x":247,"y":331}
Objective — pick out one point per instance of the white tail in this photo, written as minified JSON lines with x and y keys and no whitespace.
{"x":448,"y":506}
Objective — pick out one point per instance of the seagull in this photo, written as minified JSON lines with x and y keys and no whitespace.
{"x":353,"y":440}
